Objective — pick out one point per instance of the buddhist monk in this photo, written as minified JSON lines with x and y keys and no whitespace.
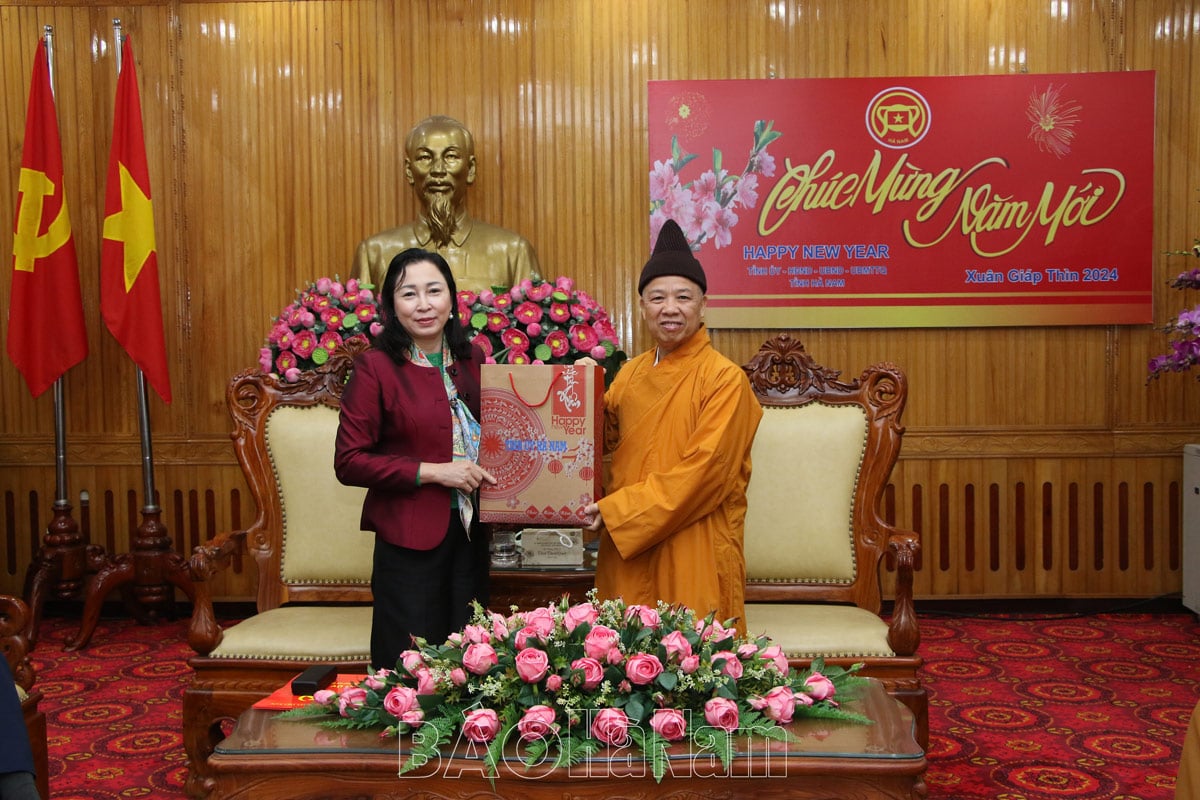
{"x":679,"y":422}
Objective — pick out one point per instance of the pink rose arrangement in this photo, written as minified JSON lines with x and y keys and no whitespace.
{"x":324,"y":315}
{"x":564,"y":681}
{"x":534,"y":322}
{"x":541,"y":322}
{"x":1184,"y":332}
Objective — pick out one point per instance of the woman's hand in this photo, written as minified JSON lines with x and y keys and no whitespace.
{"x":586,"y":361}
{"x":463,"y":475}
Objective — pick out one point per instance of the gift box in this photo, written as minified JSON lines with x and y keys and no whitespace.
{"x":551,"y":547}
{"x":541,"y":435}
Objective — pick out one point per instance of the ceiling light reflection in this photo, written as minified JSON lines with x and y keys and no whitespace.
{"x":499,"y":25}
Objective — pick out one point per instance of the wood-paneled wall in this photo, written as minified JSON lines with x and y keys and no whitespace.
{"x":1036,"y":463}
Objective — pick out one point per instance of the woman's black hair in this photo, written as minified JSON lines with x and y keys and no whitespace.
{"x":394,"y":339}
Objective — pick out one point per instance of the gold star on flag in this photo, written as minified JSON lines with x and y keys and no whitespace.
{"x":133,"y":225}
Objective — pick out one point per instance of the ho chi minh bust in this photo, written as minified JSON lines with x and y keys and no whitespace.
{"x":439,"y":164}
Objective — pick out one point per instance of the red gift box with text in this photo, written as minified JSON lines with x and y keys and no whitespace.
{"x":542,"y":435}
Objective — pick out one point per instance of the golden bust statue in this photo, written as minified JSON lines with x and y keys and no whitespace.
{"x":439,"y":164}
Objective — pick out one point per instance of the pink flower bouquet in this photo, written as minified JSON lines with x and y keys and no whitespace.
{"x":561,"y":682}
{"x":534,"y":322}
{"x":324,"y":315}
{"x":539,"y":322}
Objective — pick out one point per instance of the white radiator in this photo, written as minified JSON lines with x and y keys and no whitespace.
{"x":1191,"y":526}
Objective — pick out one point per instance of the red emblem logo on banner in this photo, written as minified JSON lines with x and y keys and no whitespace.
{"x":898,"y":117}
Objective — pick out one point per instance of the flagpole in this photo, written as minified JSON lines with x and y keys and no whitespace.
{"x":64,"y":560}
{"x":60,"y":423}
{"x":151,"y":566}
{"x":150,"y":494}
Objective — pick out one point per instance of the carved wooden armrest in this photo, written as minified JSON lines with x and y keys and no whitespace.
{"x":207,"y":560}
{"x":14,"y":618}
{"x":903,"y":632}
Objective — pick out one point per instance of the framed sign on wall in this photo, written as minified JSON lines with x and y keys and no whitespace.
{"x":912,"y":202}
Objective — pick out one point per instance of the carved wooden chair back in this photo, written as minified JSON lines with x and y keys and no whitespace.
{"x":303,"y":538}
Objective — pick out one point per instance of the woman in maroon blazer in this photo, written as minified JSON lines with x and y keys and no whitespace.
{"x":409,"y":432}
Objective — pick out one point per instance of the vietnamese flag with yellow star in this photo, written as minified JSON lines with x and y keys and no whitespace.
{"x":129,"y":296}
{"x":46,"y":333}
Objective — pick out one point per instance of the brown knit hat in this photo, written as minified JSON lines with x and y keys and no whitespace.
{"x":672,"y":256}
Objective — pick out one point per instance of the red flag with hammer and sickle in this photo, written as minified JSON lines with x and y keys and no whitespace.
{"x":46,"y":333}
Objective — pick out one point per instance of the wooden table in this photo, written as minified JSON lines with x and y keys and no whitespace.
{"x":529,"y":587}
{"x":265,"y":758}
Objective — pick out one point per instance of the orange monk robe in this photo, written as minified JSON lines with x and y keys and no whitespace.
{"x":680,"y":435}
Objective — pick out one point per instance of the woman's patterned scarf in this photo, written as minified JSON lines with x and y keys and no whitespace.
{"x":465,"y":427}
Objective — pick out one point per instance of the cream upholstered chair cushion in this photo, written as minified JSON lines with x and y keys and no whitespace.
{"x":301,"y":633}
{"x":800,"y":501}
{"x":321,"y":539}
{"x":811,"y":630}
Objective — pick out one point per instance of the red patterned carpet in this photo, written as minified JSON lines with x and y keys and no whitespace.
{"x":1087,"y":708}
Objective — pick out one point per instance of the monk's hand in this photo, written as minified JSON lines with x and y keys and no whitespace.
{"x":586,"y":361}
{"x":591,"y":513}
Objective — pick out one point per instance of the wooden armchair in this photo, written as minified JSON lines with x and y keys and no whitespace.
{"x":313,"y":562}
{"x":815,"y":539}
{"x":14,"y":621}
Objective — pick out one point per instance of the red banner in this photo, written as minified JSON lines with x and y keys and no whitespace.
{"x":910,"y":202}
{"x":46,"y":332}
{"x":129,"y":296}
